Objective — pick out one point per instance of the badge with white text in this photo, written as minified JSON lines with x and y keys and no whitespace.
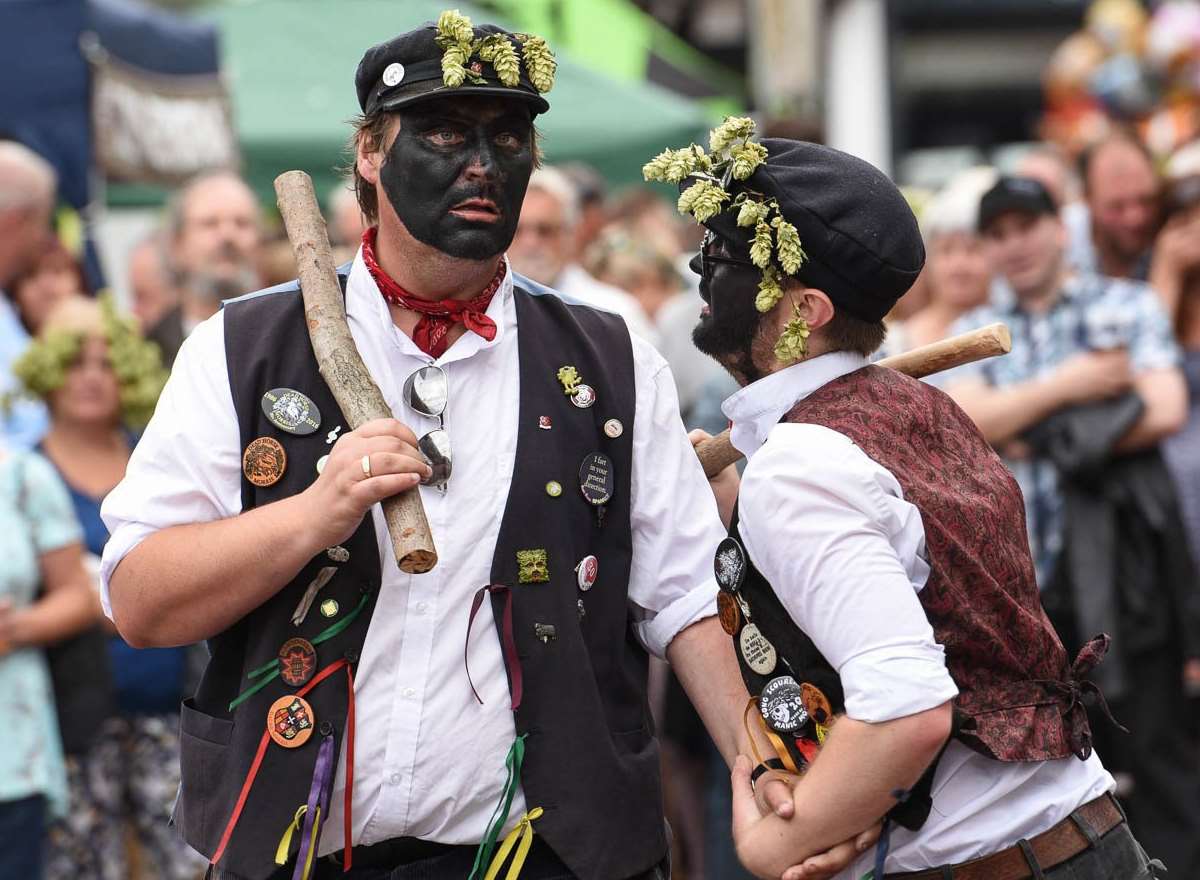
{"x":596,"y":478}
{"x":264,"y":461}
{"x":586,"y":572}
{"x":729,"y":565}
{"x":290,"y":721}
{"x":758,"y":653}
{"x":728,"y":612}
{"x":782,"y":706}
{"x":289,"y":410}
{"x":297,"y":662}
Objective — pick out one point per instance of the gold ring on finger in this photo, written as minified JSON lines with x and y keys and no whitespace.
{"x":366,"y":465}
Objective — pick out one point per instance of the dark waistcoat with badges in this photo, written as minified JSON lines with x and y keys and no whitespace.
{"x":591,"y":762}
{"x":1019,"y":697}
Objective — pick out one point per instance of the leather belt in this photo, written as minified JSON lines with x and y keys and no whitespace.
{"x":1064,"y":841}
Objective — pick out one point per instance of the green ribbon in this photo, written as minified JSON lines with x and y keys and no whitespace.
{"x":272,"y":666}
{"x":512,"y":763}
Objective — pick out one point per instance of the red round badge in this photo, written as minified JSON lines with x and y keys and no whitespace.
{"x":297,"y":662}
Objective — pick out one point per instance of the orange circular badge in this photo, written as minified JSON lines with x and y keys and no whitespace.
{"x":816,"y":704}
{"x":264,"y":461}
{"x":290,"y":721}
{"x":728,"y":612}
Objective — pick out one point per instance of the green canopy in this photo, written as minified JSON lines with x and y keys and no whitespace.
{"x":291,"y":63}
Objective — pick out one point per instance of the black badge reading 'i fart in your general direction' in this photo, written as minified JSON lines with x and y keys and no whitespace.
{"x":291,"y":411}
{"x":596,"y":479}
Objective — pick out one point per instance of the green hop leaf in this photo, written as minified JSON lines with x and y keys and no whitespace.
{"x":727,"y":132}
{"x":539,"y":62}
{"x":702,"y":200}
{"x":746,"y":158}
{"x":792,"y":344}
{"x":760,"y":248}
{"x":787,"y":240}
{"x":769,"y":290}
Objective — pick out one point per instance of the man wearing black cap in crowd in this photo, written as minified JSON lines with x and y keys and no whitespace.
{"x":876,"y":580}
{"x":360,"y":721}
{"x":1077,"y":410}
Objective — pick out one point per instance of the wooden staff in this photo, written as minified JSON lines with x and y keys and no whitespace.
{"x":338,"y":359}
{"x":718,"y":453}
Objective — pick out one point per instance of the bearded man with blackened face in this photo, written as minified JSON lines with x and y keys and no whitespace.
{"x":490,"y":714}
{"x":876,"y":580}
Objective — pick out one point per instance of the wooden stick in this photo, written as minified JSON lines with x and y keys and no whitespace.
{"x":718,"y":453}
{"x":339,"y":361}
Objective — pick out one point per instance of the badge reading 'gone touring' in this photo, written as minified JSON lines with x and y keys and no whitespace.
{"x":289,"y":410}
{"x":596,"y":478}
{"x":782,"y":706}
{"x":290,"y":721}
{"x":758,"y":653}
{"x":264,"y":461}
{"x":729,"y":565}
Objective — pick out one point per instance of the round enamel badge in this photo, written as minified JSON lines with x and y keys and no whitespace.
{"x":758,"y":653}
{"x":290,"y":721}
{"x":264,"y":461}
{"x":297,"y":662}
{"x":728,"y":612}
{"x":729,"y":565}
{"x":782,"y":706}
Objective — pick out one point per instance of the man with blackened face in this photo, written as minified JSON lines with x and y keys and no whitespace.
{"x":503,"y":693}
{"x":876,"y":570}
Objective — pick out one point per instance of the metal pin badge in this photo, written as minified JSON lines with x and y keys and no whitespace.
{"x":613,"y":428}
{"x":290,"y":721}
{"x":758,"y":653}
{"x":329,"y":608}
{"x":332,"y":436}
{"x":729,"y":564}
{"x":297,"y":662}
{"x":586,"y":572}
{"x":596,"y":478}
{"x":321,"y":464}
{"x":393,"y":74}
{"x":533,"y":566}
{"x":291,"y":411}
{"x":728,"y":612}
{"x":781,"y":705}
{"x":554,"y":488}
{"x":546,"y":632}
{"x":264,"y":461}
{"x":545,"y":423}
{"x":338,"y":553}
{"x":581,"y":395}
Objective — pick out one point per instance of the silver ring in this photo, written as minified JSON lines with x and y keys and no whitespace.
{"x":366,"y":465}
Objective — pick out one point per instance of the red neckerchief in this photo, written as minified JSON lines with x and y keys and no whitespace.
{"x":437,"y":316}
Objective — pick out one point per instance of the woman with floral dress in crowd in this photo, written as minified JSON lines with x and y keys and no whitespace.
{"x":100,"y":381}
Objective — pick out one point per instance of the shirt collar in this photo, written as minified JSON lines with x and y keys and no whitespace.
{"x":362,"y":287}
{"x":758,"y":407}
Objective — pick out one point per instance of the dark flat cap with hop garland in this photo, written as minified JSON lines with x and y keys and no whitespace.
{"x":453,"y":57}
{"x":824,"y":217}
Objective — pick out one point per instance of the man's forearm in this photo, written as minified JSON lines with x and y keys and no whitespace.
{"x":1165,"y":394}
{"x":848,"y":788}
{"x":1003,"y":414}
{"x":703,"y":661}
{"x":187,"y":583}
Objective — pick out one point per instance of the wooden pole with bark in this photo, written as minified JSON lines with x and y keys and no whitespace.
{"x":338,"y":359}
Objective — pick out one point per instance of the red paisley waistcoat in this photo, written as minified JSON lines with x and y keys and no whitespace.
{"x":1019,"y":697}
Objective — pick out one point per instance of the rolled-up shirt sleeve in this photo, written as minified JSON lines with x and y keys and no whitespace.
{"x":821,"y":521}
{"x":186,"y":466}
{"x":675,"y":523}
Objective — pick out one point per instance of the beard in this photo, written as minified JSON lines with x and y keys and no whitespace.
{"x":727,"y":333}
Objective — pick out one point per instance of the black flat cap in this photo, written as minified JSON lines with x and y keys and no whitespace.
{"x":408,"y":68}
{"x":1021,"y":194}
{"x":863,"y":246}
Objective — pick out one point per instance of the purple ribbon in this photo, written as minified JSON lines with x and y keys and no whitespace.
{"x":318,"y":794}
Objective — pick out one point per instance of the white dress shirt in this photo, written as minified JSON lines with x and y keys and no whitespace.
{"x":830,"y":530}
{"x":429,"y":760}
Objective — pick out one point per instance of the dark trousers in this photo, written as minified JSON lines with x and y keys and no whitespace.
{"x":1117,"y":856}
{"x":22,"y":835}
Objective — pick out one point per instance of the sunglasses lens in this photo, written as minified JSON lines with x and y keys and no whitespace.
{"x":435,"y":446}
{"x":426,"y":391}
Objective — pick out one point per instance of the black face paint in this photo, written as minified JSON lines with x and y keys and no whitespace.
{"x":457,"y":171}
{"x":726,"y":333}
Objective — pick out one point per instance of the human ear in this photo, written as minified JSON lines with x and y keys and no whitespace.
{"x":815,"y":307}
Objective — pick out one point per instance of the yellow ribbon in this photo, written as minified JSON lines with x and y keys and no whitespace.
{"x":520,"y":837}
{"x":285,"y":842}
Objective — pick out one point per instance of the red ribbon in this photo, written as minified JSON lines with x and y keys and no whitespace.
{"x":437,"y":316}
{"x":509,"y":644}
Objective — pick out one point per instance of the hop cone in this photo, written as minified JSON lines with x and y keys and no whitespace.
{"x":454,"y":27}
{"x":760,"y":249}
{"x":656,"y":168}
{"x":792,"y":343}
{"x":727,"y":132}
{"x":499,"y":51}
{"x":746,"y":158}
{"x":787,"y":240}
{"x":769,"y":290}
{"x":752,"y":212}
{"x":539,"y":62}
{"x":702,"y":200}
{"x":453,"y":71}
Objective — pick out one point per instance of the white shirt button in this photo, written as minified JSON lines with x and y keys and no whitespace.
{"x":396,"y":778}
{"x":409,"y":693}
{"x":422,"y":607}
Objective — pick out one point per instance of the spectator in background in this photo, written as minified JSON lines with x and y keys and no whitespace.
{"x":215,"y":242}
{"x":956,"y":267}
{"x":53,"y":276}
{"x":346,"y":221}
{"x":151,"y":292}
{"x":593,"y":203}
{"x":1175,"y":275}
{"x":44,"y":596}
{"x":636,"y":266}
{"x":1078,"y":410}
{"x":1050,"y":166}
{"x":544,"y":250}
{"x":1121,"y":189}
{"x":27,"y":188}
{"x":101,"y":380}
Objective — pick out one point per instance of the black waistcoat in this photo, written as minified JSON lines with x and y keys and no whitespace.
{"x":591,"y":761}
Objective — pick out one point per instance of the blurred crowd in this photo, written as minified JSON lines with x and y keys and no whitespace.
{"x":1092,"y":260}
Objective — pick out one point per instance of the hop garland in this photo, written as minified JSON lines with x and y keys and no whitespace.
{"x":456,"y":38}
{"x":137,"y":363}
{"x":775,"y":248}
